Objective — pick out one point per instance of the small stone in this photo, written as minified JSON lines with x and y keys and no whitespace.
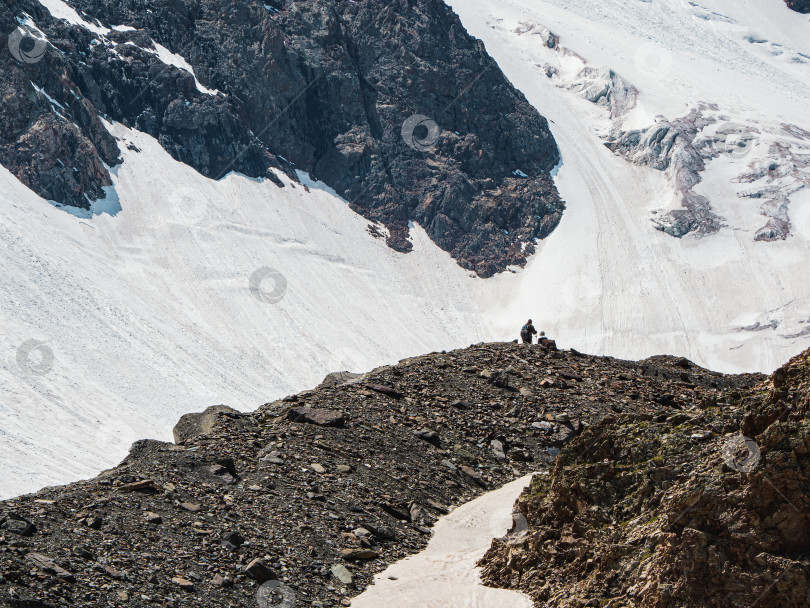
{"x":340,"y":572}
{"x":221,"y":581}
{"x":233,"y":541}
{"x":386,"y":390}
{"x":201,"y":423}
{"x":358,"y":554}
{"x":427,"y":435}
{"x":344,"y":468}
{"x":152,"y":518}
{"x":190,"y":506}
{"x":46,"y":564}
{"x":258,"y":571}
{"x":450,"y":465}
{"x":318,"y":468}
{"x":82,"y":553}
{"x":474,"y":475}
{"x":145,"y":485}
{"x":273,"y":458}
{"x":183,"y":583}
{"x":316,"y":416}
{"x":498,"y":450}
{"x":545,"y":426}
{"x":123,"y":596}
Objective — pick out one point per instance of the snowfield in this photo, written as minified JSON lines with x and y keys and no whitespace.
{"x":606,"y":281}
{"x":179,"y":292}
{"x":195,"y":293}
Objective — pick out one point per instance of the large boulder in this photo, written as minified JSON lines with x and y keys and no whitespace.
{"x":316,"y":415}
{"x":338,"y":378}
{"x":201,"y":423}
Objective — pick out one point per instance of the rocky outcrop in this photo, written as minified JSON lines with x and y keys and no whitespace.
{"x":801,"y":6}
{"x":396,"y":107}
{"x":706,"y":507}
{"x":195,"y":425}
{"x":273,"y":504}
{"x":672,"y":146}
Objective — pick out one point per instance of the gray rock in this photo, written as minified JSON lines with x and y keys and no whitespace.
{"x":340,"y":572}
{"x":198,"y":424}
{"x":338,"y":378}
{"x":428,"y":435}
{"x":259,"y":571}
{"x":498,"y":450}
{"x":17,"y":525}
{"x":316,"y":415}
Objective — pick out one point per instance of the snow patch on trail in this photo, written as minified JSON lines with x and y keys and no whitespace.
{"x":444,"y":575}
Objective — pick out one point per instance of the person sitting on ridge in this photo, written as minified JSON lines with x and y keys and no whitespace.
{"x":527,"y":331}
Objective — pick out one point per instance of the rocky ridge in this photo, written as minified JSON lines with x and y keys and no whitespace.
{"x":801,"y":6}
{"x":394,"y":106}
{"x":309,"y":496}
{"x":704,"y":508}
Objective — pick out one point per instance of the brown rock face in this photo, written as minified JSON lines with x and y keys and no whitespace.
{"x":675,"y":511}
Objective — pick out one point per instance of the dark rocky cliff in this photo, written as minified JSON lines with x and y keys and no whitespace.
{"x":331,"y":88}
{"x":802,"y":6}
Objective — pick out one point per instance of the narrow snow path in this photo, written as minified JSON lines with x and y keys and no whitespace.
{"x":444,"y":574}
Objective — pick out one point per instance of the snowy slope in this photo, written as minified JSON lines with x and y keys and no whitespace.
{"x":150,"y":313}
{"x":606,"y":281}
